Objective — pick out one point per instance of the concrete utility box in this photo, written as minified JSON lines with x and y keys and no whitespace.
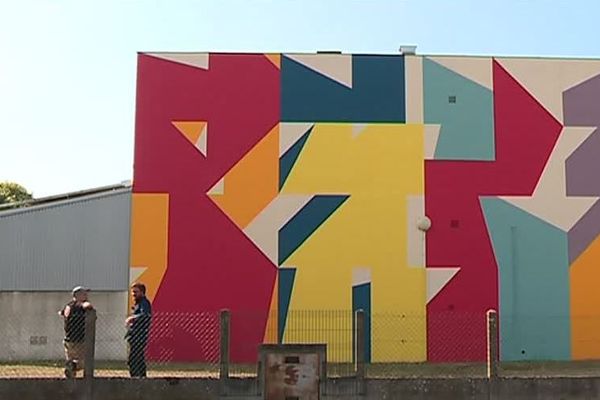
{"x":292,"y":371}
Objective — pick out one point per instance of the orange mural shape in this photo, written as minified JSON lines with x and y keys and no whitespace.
{"x":585,"y":303}
{"x":192,"y":130}
{"x":272,"y":320}
{"x":149,"y":239}
{"x":275,"y":59}
{"x":252,"y":183}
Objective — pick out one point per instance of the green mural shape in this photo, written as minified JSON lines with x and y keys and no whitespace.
{"x":533,"y":269}
{"x":465,"y":111}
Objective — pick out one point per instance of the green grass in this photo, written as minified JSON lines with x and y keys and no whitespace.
{"x":375,"y":370}
{"x":54,"y":369}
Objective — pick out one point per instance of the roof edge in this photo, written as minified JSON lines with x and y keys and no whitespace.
{"x":23,"y":206}
{"x":383,"y":53}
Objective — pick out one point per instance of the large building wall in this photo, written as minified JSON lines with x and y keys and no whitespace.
{"x":283,"y":186}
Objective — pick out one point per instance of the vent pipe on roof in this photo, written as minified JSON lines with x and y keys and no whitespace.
{"x":408,"y":50}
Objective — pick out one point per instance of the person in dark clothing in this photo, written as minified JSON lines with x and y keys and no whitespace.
{"x":138,"y":328}
{"x":73,"y":314}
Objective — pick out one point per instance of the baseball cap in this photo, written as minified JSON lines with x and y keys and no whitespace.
{"x":80,"y":289}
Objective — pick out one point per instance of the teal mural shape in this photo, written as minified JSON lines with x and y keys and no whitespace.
{"x":377,"y":94}
{"x":465,"y":111}
{"x":299,"y":228}
{"x":286,"y":285}
{"x":533,"y":268}
{"x":287,"y":160}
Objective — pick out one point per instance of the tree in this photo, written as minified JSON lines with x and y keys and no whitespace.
{"x":11,"y":192}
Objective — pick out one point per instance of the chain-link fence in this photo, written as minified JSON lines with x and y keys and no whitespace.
{"x":334,"y":328}
{"x":246,"y":334}
{"x":168,"y":345}
{"x":549,"y":345}
{"x":172,"y":345}
{"x":395,"y":345}
{"x":31,"y":352}
{"x":378,"y":346}
{"x":39,"y":344}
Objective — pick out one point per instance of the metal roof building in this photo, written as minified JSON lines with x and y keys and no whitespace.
{"x":55,"y":243}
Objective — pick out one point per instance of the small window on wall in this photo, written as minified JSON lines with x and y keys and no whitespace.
{"x":452,"y":99}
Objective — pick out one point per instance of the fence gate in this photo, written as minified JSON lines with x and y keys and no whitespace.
{"x":292,"y":371}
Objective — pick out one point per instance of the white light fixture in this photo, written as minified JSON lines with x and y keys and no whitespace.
{"x":424,"y":223}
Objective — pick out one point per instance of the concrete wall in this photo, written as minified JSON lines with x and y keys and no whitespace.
{"x":405,"y":389}
{"x":32,"y":330}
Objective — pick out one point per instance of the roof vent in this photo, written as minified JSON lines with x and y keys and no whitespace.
{"x":329,"y":52}
{"x":408,"y":50}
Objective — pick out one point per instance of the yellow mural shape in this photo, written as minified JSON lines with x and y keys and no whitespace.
{"x":252,"y":183}
{"x":585,"y":303}
{"x":379,"y":166}
{"x":149,"y":238}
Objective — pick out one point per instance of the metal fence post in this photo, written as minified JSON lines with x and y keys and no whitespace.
{"x":492,"y":344}
{"x":90,"y":343}
{"x":90,"y":352}
{"x":360,"y":350}
{"x":224,"y":349}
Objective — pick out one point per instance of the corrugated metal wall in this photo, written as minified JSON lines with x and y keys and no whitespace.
{"x":84,"y":241}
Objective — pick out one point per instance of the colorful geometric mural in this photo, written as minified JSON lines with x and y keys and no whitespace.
{"x":290,"y":186}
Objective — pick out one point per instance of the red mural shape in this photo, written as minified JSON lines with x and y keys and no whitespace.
{"x":212,"y":265}
{"x":525,"y":134}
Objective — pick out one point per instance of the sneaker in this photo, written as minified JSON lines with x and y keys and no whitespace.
{"x":70,"y":369}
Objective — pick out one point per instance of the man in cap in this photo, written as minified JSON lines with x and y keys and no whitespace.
{"x":73,"y":314}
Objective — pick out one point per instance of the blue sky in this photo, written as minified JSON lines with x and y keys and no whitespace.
{"x":67,"y":68}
